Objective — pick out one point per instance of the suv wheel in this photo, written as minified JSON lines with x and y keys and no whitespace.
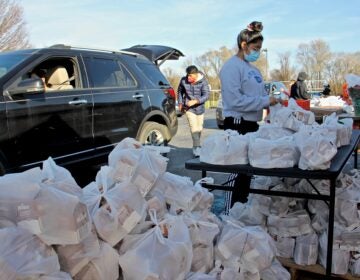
{"x":154,"y":134}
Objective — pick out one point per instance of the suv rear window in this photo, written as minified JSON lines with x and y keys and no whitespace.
{"x":9,"y":61}
{"x":152,"y":73}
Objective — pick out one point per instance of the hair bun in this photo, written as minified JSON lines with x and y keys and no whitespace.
{"x":255,"y":26}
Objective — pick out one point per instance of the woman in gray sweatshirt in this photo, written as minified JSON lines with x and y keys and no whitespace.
{"x":244,"y":98}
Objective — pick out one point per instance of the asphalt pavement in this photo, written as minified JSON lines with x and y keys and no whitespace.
{"x":181,"y":145}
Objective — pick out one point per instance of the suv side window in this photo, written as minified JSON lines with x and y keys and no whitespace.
{"x":108,"y":73}
{"x":56,"y":73}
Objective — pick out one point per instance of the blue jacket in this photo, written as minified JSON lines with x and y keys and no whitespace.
{"x":199,"y":90}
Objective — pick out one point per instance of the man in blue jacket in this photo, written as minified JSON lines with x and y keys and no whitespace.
{"x":193,"y":91}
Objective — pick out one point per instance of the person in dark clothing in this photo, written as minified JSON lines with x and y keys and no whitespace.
{"x":192,"y":93}
{"x":326,"y":91}
{"x":299,"y":89}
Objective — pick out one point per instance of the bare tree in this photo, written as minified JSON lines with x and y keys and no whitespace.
{"x":314,"y":57}
{"x":172,"y":77}
{"x":340,"y":65}
{"x":13,"y":34}
{"x":321,"y":54}
{"x":286,"y":72}
{"x":304,"y":58}
{"x":211,"y":62}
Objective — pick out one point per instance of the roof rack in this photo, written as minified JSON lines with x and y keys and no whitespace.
{"x":63,"y":46}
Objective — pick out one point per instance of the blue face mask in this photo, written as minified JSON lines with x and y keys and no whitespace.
{"x":253,"y":56}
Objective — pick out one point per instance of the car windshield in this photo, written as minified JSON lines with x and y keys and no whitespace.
{"x":9,"y":61}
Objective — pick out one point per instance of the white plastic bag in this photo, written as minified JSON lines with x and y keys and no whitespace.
{"x":115,"y":211}
{"x":292,"y":225}
{"x":306,"y":249}
{"x":340,"y":258}
{"x":164,"y":252}
{"x":103,"y":267}
{"x":225,"y":148}
{"x":272,"y":132}
{"x":141,"y":166}
{"x":355,"y":263}
{"x":202,"y":237}
{"x":316,"y":149}
{"x":284,"y":246}
{"x":73,"y":258}
{"x":248,"y":214}
{"x":22,"y":186}
{"x":352,"y":80}
{"x":247,"y":249}
{"x":179,"y":192}
{"x":274,"y":153}
{"x":23,"y":255}
{"x":62,"y":217}
{"x":226,"y":273}
{"x":207,"y":198}
{"x":279,"y":205}
{"x":347,"y":204}
{"x":292,"y":117}
{"x":342,"y":128}
{"x":60,"y":178}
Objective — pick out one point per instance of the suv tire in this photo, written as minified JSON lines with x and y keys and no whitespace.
{"x":153,"y":133}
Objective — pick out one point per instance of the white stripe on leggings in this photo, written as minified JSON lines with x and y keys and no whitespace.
{"x":237,"y":121}
{"x":228,"y":194}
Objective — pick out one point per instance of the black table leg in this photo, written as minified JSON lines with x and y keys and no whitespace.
{"x":355,"y":157}
{"x":330,"y":228}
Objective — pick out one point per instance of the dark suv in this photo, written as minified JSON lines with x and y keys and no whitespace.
{"x":75,"y":104}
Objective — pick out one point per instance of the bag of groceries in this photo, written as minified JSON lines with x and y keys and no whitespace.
{"x":115,"y":211}
{"x":224,"y":148}
{"x":164,"y":252}
{"x":24,"y":256}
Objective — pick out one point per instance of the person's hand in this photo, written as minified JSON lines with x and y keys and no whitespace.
{"x":282,"y":101}
{"x":273,"y":100}
{"x":192,"y":102}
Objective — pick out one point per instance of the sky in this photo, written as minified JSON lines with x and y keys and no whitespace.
{"x":194,"y":27}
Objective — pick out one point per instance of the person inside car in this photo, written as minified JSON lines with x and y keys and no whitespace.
{"x":39,"y":74}
{"x":193,"y":91}
{"x":244,"y":98}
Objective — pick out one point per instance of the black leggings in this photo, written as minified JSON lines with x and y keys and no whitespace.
{"x":240,"y":182}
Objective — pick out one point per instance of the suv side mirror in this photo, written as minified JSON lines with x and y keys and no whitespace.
{"x":28,"y":86}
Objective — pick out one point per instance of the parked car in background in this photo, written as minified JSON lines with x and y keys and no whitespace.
{"x":277,"y":88}
{"x":84,"y":104}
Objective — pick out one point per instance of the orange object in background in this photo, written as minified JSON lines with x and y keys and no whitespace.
{"x":345,"y":94}
{"x":305,"y":104}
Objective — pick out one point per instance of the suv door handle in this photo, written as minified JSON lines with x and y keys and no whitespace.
{"x":137,"y":96}
{"x":78,"y":102}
